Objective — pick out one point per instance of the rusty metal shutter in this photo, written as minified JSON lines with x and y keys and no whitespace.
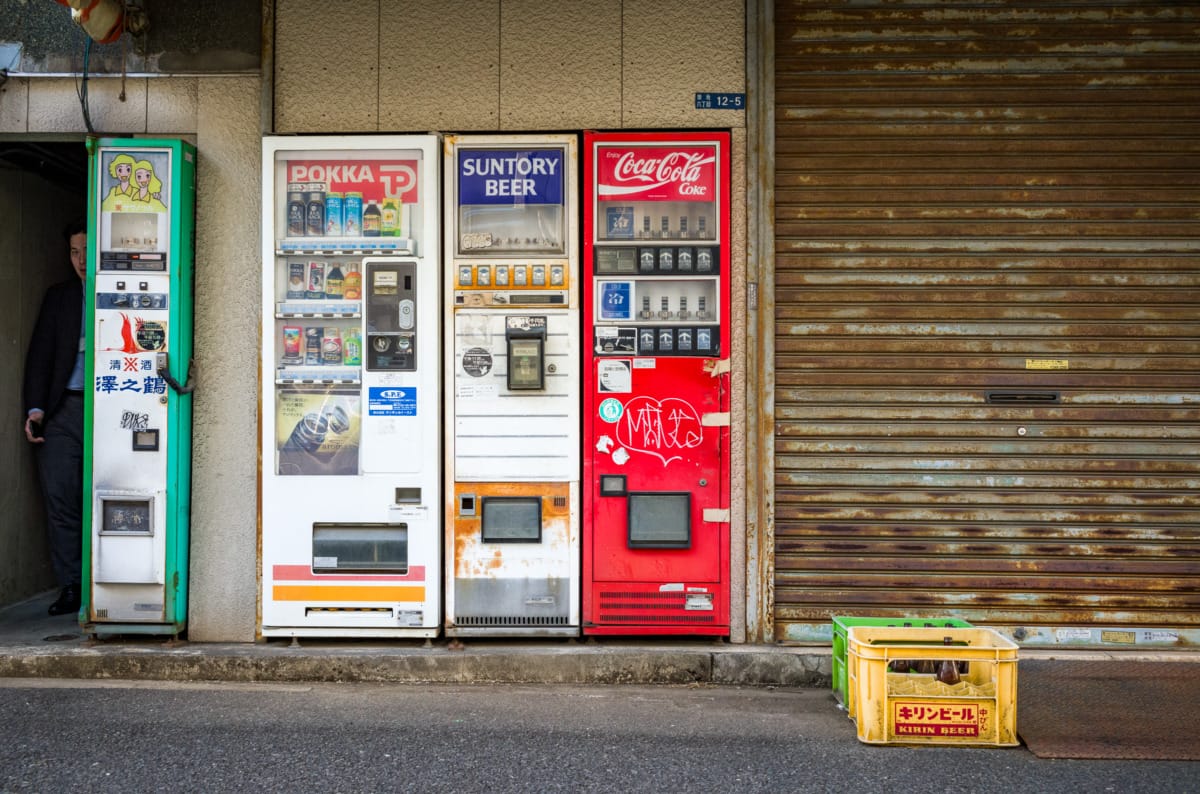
{"x":987,"y":290}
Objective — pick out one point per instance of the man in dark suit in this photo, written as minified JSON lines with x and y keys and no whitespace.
{"x":53,"y":395}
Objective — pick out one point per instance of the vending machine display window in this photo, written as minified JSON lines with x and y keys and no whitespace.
{"x":660,"y":520}
{"x":127,"y":516}
{"x":511,"y":201}
{"x":512,"y":519}
{"x":359,"y":548}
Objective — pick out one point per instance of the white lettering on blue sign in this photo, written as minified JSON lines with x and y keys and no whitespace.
{"x":391,"y":401}
{"x":508,"y":177}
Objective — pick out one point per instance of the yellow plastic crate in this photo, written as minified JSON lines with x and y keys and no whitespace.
{"x":916,"y":708}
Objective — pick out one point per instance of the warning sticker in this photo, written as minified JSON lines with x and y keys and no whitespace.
{"x":614,"y":376}
{"x":391,"y":401}
{"x":476,"y":362}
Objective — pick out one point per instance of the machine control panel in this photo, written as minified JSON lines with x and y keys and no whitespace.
{"x":391,"y":309}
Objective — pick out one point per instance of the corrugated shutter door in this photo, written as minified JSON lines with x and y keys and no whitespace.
{"x":981,"y":199}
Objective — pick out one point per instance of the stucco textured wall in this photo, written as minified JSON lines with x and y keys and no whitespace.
{"x":505,"y":65}
{"x":224,"y":564}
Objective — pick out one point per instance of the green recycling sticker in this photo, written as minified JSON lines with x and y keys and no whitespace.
{"x":611,"y":409}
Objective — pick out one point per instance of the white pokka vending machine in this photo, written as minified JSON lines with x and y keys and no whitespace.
{"x":351,"y":437}
{"x":512,"y":386}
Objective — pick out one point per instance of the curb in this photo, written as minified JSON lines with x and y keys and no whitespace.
{"x":485,"y":665}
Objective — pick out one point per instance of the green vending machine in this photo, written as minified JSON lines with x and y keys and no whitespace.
{"x":138,"y":409}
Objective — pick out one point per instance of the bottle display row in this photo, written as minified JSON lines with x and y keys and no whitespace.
{"x":656,"y":221}
{"x":314,"y":211}
{"x":321,"y":345}
{"x":320,"y":280}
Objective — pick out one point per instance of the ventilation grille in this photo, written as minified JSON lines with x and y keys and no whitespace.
{"x":657,"y":608}
{"x":509,"y":620}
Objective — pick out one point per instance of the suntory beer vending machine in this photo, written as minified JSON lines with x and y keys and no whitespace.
{"x":351,"y":437}
{"x":656,"y":383}
{"x":512,"y":386}
{"x":138,"y":406}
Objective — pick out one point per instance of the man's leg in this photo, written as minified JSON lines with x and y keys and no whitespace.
{"x":60,"y":459}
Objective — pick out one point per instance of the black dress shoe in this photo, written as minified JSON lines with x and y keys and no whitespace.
{"x":68,"y":601}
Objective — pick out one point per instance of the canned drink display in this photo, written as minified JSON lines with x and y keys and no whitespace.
{"x":296,"y":281}
{"x":315,"y":206}
{"x":291,"y":344}
{"x":352,"y":348}
{"x":316,"y":281}
{"x":389,"y":218}
{"x":372,"y":220}
{"x":352,"y":209}
{"x":331,"y":346}
{"x":297,"y":210}
{"x":352,"y":282}
{"x":312,"y":344}
{"x":333,"y":215}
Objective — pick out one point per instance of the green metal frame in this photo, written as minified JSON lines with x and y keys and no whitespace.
{"x":180,"y":257}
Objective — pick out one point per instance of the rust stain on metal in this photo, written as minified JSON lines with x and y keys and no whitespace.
{"x":972,"y":198}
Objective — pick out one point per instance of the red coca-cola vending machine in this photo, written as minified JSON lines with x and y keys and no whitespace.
{"x":656,"y":383}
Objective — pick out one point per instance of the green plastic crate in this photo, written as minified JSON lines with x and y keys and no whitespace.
{"x":841,"y":624}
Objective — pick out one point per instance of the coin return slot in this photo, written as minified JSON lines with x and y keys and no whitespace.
{"x":408,"y":496}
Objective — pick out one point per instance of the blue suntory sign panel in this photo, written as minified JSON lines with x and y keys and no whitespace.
{"x":509,"y":176}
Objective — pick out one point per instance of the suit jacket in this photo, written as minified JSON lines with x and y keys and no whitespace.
{"x":54,"y":346}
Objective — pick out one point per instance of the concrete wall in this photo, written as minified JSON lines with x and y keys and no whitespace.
{"x":33,"y":255}
{"x":385,"y":66}
{"x":221,"y":116}
{"x":509,"y":65}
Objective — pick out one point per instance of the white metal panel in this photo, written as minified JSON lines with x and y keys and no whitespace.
{"x":399,"y":449}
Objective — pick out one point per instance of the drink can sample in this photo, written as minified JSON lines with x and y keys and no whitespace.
{"x":333,"y":215}
{"x":331,"y":346}
{"x":352,"y":208}
{"x":291,"y":344}
{"x":315,"y":198}
{"x":296,"y":280}
{"x":312,"y":344}
{"x":316,"y":281}
{"x":297,"y":210}
{"x":352,"y":348}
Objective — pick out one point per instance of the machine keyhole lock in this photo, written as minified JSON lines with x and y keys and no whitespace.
{"x":552,"y":368}
{"x":703,"y":482}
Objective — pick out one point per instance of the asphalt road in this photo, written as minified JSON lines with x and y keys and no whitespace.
{"x":62,"y":735}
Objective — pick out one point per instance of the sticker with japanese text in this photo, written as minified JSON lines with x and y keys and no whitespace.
{"x":916,"y":718}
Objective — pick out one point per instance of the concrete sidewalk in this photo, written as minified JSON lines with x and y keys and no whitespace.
{"x":32,"y":644}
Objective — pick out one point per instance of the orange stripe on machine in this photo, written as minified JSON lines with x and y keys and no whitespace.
{"x":357,"y":594}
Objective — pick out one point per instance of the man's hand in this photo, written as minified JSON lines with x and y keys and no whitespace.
{"x":33,"y":426}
